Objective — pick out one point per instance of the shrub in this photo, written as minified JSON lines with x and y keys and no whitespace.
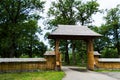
{"x":109,"y":53}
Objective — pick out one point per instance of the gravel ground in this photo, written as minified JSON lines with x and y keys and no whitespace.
{"x":113,"y":74}
{"x":75,"y":73}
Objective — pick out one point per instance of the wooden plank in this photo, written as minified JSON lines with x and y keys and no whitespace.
{"x":23,"y":66}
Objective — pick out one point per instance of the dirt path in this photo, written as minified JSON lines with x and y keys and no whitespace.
{"x":73,"y":73}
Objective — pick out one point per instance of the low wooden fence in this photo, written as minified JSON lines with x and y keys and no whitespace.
{"x":27,"y":64}
{"x":22,"y":64}
{"x":109,"y":63}
{"x":106,"y":63}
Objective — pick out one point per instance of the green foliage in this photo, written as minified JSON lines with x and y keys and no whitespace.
{"x":86,"y":10}
{"x":47,"y":75}
{"x":113,"y":25}
{"x":19,"y":10}
{"x":102,"y":42}
{"x":79,"y":52}
{"x":24,"y":56}
{"x":18,"y":27}
{"x":109,"y":53}
{"x":81,"y":59}
{"x":109,"y":43}
{"x":62,"y":13}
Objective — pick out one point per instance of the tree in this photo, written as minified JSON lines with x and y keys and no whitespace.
{"x":30,"y":42}
{"x":113,"y":24}
{"x":84,"y":17}
{"x":109,"y":43}
{"x":102,"y":42}
{"x":14,"y":15}
{"x":69,"y":12}
{"x":85,"y":11}
{"x":63,"y":13}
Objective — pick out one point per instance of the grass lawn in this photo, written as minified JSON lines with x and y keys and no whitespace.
{"x":46,"y":75}
{"x":107,"y":70}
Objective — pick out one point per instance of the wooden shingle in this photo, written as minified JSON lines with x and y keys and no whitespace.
{"x":70,"y":31}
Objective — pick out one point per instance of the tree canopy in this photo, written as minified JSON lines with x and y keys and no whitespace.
{"x":18,"y":27}
{"x":110,"y":42}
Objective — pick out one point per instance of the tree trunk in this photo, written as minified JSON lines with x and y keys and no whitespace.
{"x":12,"y":49}
{"x":13,"y":42}
{"x":118,"y":48}
{"x":30,"y":47}
{"x":73,"y":52}
{"x":30,"y":51}
{"x":117,"y":44}
{"x":117,"y":39}
{"x":66,"y":54}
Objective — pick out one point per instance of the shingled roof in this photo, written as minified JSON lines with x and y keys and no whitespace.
{"x":49,"y":53}
{"x":73,"y":31}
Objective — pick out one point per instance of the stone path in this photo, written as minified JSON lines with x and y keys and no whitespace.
{"x":73,"y":73}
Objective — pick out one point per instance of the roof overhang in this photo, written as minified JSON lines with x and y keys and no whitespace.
{"x":70,"y":37}
{"x":71,"y":32}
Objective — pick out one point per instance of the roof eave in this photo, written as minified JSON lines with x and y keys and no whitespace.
{"x":72,"y":36}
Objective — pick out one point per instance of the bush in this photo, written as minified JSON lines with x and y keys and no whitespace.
{"x":24,"y":56}
{"x":109,"y":53}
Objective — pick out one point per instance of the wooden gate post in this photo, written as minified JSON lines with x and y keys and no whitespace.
{"x":90,"y":55}
{"x":58,"y":63}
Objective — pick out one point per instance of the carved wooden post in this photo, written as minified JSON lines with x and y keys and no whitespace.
{"x":58,"y":63}
{"x":90,"y":54}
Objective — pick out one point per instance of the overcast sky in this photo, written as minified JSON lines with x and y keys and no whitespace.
{"x":98,"y":18}
{"x":104,"y":4}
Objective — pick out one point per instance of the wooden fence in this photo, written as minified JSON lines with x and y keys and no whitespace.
{"x":106,"y":63}
{"x":27,"y":64}
{"x":22,"y":66}
{"x":109,"y":63}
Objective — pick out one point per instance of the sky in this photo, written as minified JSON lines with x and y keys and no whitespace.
{"x":98,"y":18}
{"x":104,"y":4}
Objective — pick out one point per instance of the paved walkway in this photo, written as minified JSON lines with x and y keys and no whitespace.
{"x":73,"y":73}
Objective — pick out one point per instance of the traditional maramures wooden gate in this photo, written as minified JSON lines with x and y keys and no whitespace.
{"x":74,"y":32}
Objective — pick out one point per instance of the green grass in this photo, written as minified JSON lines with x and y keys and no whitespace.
{"x":47,"y":75}
{"x":107,"y":70}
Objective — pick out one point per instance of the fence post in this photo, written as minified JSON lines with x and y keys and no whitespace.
{"x":51,"y":60}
